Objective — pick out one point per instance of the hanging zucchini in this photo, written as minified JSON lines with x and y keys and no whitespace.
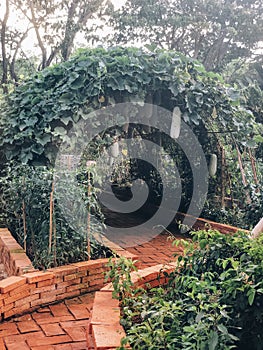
{"x":157,"y":98}
{"x":125,"y":127}
{"x":148,"y":106}
{"x":114,"y":149}
{"x":213,"y":165}
{"x":176,"y":123}
{"x":146,"y":127}
{"x":126,"y":107}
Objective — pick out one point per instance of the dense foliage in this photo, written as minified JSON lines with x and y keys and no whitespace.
{"x":41,"y":112}
{"x":44,"y":108}
{"x":213,"y":300}
{"x":214,"y":32}
{"x":50,"y":233}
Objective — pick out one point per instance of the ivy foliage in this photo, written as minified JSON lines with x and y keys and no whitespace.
{"x":39,"y":114}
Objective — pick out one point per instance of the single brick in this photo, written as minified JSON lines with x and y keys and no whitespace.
{"x":28,"y":326}
{"x":107,"y":336}
{"x":38,"y":276}
{"x":11,"y":283}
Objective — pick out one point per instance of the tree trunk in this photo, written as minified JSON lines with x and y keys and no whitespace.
{"x":3,"y":44}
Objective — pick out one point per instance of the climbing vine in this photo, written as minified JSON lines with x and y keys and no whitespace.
{"x":42,"y":110}
{"x":39,"y":114}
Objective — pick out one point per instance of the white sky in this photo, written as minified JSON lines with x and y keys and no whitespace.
{"x":29,"y":44}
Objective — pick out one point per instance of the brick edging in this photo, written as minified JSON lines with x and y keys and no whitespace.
{"x":25,"y":293}
{"x":201,"y":224}
{"x":13,"y":256}
{"x":28,"y":289}
{"x":104,"y":330}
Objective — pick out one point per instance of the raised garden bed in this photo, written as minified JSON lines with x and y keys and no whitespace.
{"x":26,"y":288}
{"x":104,"y":330}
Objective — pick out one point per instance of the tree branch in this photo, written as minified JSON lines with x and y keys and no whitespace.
{"x":3,"y":45}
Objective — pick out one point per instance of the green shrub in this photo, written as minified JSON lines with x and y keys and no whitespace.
{"x":26,"y":200}
{"x":213,"y":300}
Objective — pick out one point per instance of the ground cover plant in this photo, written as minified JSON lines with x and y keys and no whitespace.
{"x":214,"y":300}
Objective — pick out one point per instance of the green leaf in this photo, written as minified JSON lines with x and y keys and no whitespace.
{"x":59,"y":131}
{"x":213,"y":340}
{"x":66,"y":97}
{"x":222,"y":329}
{"x":251,"y":296}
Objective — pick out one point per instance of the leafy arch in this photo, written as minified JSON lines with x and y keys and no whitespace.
{"x":39,"y":114}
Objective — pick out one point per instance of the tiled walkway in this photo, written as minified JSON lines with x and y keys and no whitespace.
{"x":62,"y":326}
{"x":56,"y":327}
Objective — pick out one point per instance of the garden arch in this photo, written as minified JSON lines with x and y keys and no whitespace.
{"x":41,"y":112}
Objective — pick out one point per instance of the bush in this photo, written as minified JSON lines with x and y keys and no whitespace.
{"x":214,"y":300}
{"x":26,"y":204}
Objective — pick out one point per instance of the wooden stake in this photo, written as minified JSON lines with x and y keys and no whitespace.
{"x":88,"y":218}
{"x":24,"y":223}
{"x":253,"y":164}
{"x":223,"y":178}
{"x":51,"y":206}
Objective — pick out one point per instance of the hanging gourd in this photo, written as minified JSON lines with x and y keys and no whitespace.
{"x":148,"y":106}
{"x":157,"y":98}
{"x":125,"y":127}
{"x":213,"y":165}
{"x":176,"y":123}
{"x":111,"y":161}
{"x":114,"y":149}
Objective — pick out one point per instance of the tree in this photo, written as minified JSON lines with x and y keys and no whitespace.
{"x":3,"y":40}
{"x":55,"y":25}
{"x":212,"y":31}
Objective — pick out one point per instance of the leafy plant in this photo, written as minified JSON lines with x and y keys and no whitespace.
{"x":52,"y":232}
{"x":213,"y":299}
{"x":120,"y":275}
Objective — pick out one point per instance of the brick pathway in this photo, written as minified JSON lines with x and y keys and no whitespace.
{"x":56,"y":327}
{"x":62,"y":326}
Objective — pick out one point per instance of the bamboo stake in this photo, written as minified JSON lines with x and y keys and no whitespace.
{"x":230,"y":187}
{"x":253,"y":164}
{"x":24,"y":217}
{"x":223,"y":169}
{"x":51,"y":206}
{"x":54,"y":232}
{"x":88,"y":218}
{"x":24,"y":223}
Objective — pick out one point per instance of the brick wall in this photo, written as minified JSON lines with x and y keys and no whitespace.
{"x":27,"y":292}
{"x":13,"y":256}
{"x":201,"y":224}
{"x":27,"y":288}
{"x":104,"y":330}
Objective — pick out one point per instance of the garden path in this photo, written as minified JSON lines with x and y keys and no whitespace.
{"x":62,"y":326}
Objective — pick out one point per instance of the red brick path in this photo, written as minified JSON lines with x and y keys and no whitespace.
{"x":62,"y":326}
{"x":56,"y":327}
